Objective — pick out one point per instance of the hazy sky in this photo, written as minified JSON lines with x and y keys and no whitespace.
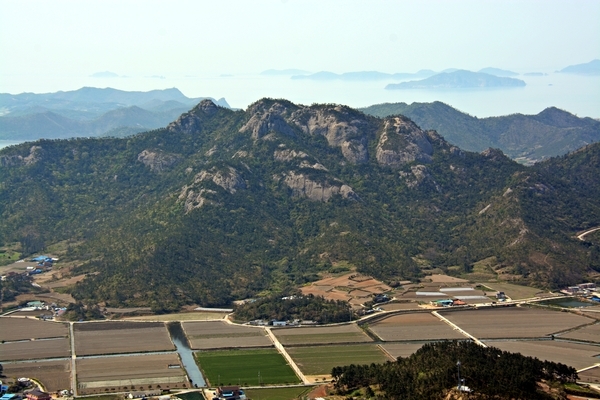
{"x":56,"y":45}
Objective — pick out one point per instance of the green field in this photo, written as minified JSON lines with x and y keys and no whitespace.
{"x":319,"y":360}
{"x":288,"y":393}
{"x":191,"y":396}
{"x":245,"y":367}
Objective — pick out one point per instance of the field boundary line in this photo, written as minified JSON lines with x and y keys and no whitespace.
{"x":459,"y":329}
{"x":73,"y":357}
{"x":590,"y":367}
{"x":287,"y":357}
{"x":387,"y":353}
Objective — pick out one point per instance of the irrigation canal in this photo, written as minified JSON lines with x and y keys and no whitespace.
{"x":185,"y":353}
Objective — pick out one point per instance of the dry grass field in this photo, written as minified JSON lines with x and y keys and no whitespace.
{"x":35,"y":349}
{"x":400,"y":306}
{"x":514,"y":322}
{"x":515,"y":292}
{"x":573,"y":354}
{"x":589,"y":333}
{"x":319,"y":360}
{"x":417,"y":326}
{"x":29,"y":328}
{"x":401,"y":349}
{"x":114,"y":337}
{"x":126,"y":373}
{"x":54,"y":375}
{"x":321,"y":335}
{"x":221,"y":335}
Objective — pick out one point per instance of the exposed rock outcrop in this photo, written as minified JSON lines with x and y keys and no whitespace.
{"x":303,"y":186}
{"x":229,"y":180}
{"x":419,"y":175}
{"x":191,"y":122}
{"x":158,"y":161}
{"x":402,"y":142}
{"x":35,"y":154}
{"x":265,"y":120}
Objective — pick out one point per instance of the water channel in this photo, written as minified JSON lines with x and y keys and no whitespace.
{"x":185,"y":353}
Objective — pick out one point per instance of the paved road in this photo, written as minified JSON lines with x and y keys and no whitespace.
{"x":457,"y":328}
{"x":287,"y":357}
{"x":582,"y":235}
{"x":73,"y":357}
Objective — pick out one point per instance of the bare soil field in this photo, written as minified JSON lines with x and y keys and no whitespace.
{"x":401,"y":349}
{"x":33,"y":314}
{"x":589,"y":333}
{"x":54,"y":375}
{"x":591,"y":375}
{"x":573,"y":354}
{"x":220,"y":335}
{"x":400,"y":306}
{"x":321,"y":335}
{"x":120,"y":337}
{"x":125,"y":373}
{"x":35,"y":349}
{"x":348,"y":287}
{"x":438,"y":278}
{"x":28,"y":328}
{"x":417,"y":326}
{"x":188,"y":316}
{"x":513,"y":322}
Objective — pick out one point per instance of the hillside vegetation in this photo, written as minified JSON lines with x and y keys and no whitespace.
{"x":222,"y":205}
{"x":525,"y":138}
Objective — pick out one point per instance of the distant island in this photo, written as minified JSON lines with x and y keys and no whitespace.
{"x":497,"y":72}
{"x":590,"y":68}
{"x":460,"y":79}
{"x":364,"y":75}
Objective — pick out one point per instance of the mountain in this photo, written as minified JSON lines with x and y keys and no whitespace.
{"x":497,"y":72}
{"x":527,"y":138}
{"x":89,"y":112}
{"x":363,"y":76}
{"x":460,"y":79}
{"x":590,"y":68}
{"x":221,"y":205}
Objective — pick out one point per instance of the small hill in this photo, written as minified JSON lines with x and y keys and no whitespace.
{"x":528,"y":138}
{"x":460,"y":79}
{"x":590,"y":68}
{"x":497,"y":72}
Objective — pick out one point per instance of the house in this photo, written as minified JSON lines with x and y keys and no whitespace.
{"x":442,"y":303}
{"x":37,"y":394}
{"x":143,"y":395}
{"x":230,"y":393}
{"x":500,"y":296}
{"x":279,"y":323}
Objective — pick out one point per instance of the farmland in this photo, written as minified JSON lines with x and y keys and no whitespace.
{"x":574,"y":354}
{"x":514,"y":322}
{"x":589,"y":333}
{"x":277,"y":393}
{"x":121,"y":337}
{"x":515,"y":292}
{"x":245,"y":367}
{"x":590,"y":375}
{"x":54,"y":375}
{"x":352,"y":287}
{"x":134,"y":372}
{"x":321,"y":335}
{"x":319,"y":360}
{"x":416,"y":326}
{"x":219,"y":335}
{"x":28,"y":328}
{"x":35,"y":349}
{"x":401,"y":349}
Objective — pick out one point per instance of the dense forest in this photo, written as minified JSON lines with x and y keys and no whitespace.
{"x":224,"y":205}
{"x":433,"y":370}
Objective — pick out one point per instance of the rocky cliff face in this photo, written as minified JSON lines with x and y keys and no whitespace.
{"x":158,"y":161}
{"x":303,"y":186}
{"x":191,"y":122}
{"x":35,"y":153}
{"x":402,"y":142}
{"x":195,"y":195}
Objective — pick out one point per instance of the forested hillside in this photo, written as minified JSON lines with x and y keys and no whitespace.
{"x":526,"y":138}
{"x":222,"y":205}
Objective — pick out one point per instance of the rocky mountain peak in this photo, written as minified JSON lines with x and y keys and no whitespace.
{"x":403,"y":142}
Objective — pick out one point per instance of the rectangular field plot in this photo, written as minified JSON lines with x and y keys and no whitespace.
{"x":515,"y":292}
{"x":54,"y":375}
{"x":319,"y":360}
{"x":321,"y":335}
{"x":591,"y":375}
{"x":401,"y":349}
{"x":514,"y":322}
{"x":589,"y":333}
{"x":573,"y":354}
{"x":221,"y":335}
{"x":277,"y":393}
{"x":116,"y":337}
{"x":245,"y":367}
{"x":35,"y":349}
{"x":417,"y":326}
{"x":29,"y":328}
{"x":126,"y":373}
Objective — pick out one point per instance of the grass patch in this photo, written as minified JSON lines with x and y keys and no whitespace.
{"x":191,"y":396}
{"x":513,"y":291}
{"x":277,"y":393}
{"x":233,"y":367}
{"x":320,"y":360}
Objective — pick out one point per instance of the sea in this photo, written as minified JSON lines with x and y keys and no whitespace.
{"x":577,"y":94}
